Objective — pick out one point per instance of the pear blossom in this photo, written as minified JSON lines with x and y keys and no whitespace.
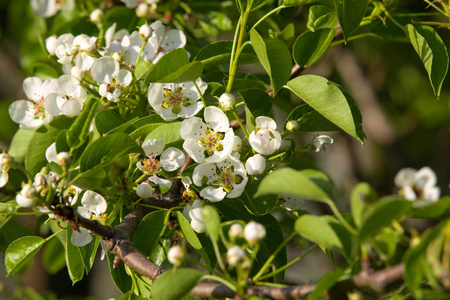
{"x":5,"y":163}
{"x":175,"y":255}
{"x":51,"y":43}
{"x":27,"y":196}
{"x":227,"y":101}
{"x":236,"y":230}
{"x":176,"y":100}
{"x":235,"y":255}
{"x":265,"y":139}
{"x":222,"y":179}
{"x":193,"y":214}
{"x":169,"y":160}
{"x":145,"y":31}
{"x":418,"y":185}
{"x":320,"y":141}
{"x":254,"y":232}
{"x":96,"y":15}
{"x":237,"y":145}
{"x":63,"y":158}
{"x":30,"y":113}
{"x":291,"y":203}
{"x":113,"y":40}
{"x":211,"y":141}
{"x":292,"y":126}
{"x":106,"y":71}
{"x":49,"y":8}
{"x":132,"y":45}
{"x":165,"y":41}
{"x":144,"y":190}
{"x":45,"y":180}
{"x":68,"y":99}
{"x":255,"y":165}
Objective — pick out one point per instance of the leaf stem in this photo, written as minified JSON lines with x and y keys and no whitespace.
{"x":341,"y":218}
{"x":221,"y":280}
{"x":236,"y":116}
{"x":200,"y":93}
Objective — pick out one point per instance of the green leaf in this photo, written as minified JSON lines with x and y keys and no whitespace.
{"x":168,"y":133}
{"x":321,"y":16}
{"x":192,"y":238}
{"x":274,"y":57}
{"x":296,"y":2}
{"x":326,"y":283}
{"x":131,"y":296}
{"x":20,"y":252}
{"x":79,"y":130}
{"x":286,"y":35}
{"x":310,"y":46}
{"x":233,"y":209}
{"x":88,"y":180}
{"x":381,"y":214}
{"x":42,"y":138}
{"x":257,"y":103}
{"x":317,"y":230}
{"x":219,"y":53}
{"x":106,"y":120}
{"x":433,"y":53}
{"x":242,"y":4}
{"x":74,"y":260}
{"x":362,"y":195}
{"x":185,"y":279}
{"x":310,"y":120}
{"x":432,"y":210}
{"x":350,"y":14}
{"x":19,"y":144}
{"x":119,"y":276}
{"x":212,"y":222}
{"x":107,"y":149}
{"x":53,"y":256}
{"x":142,"y":132}
{"x":257,"y":205}
{"x":150,"y":231}
{"x":142,"y":68}
{"x":175,"y":67}
{"x":328,"y":99}
{"x":287,"y":181}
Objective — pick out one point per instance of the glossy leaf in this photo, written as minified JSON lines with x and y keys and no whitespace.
{"x":106,"y":120}
{"x":168,"y":133}
{"x":20,"y":252}
{"x":257,"y":103}
{"x":19,"y":144}
{"x":287,"y":35}
{"x":275,"y":57}
{"x":310,"y":46}
{"x":150,"y":230}
{"x":219,"y":53}
{"x":185,"y":279}
{"x":317,"y":230}
{"x":433,"y":53}
{"x":74,"y":260}
{"x":350,"y":14}
{"x":310,"y":120}
{"x":106,"y":149}
{"x":321,"y":16}
{"x":328,"y":99}
{"x":212,"y":222}
{"x":53,"y":256}
{"x":175,"y":67}
{"x":381,"y":214}
{"x":119,"y":276}
{"x":79,"y":130}
{"x":142,"y":69}
{"x":233,"y":209}
{"x":432,"y":210}
{"x":287,"y":181}
{"x":257,"y":204}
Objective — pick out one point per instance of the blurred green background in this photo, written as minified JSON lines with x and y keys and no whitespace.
{"x":406,"y":125}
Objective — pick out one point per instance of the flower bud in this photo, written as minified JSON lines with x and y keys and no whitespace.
{"x":255,"y":165}
{"x":254,"y":232}
{"x":320,"y":141}
{"x":141,"y":10}
{"x":51,"y":43}
{"x":235,"y":255}
{"x":175,"y":255}
{"x":63,"y":158}
{"x":227,"y":101}
{"x":145,"y":31}
{"x":292,"y":126}
{"x":5,"y":161}
{"x":237,"y":145}
{"x":97,"y":15}
{"x":27,"y":196}
{"x":236,"y":230}
{"x":118,"y":56}
{"x":144,"y":190}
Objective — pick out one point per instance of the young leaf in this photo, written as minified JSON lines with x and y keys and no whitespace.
{"x":381,"y":214}
{"x":274,"y":57}
{"x":310,"y":46}
{"x":79,"y":130}
{"x":321,"y":16}
{"x":257,"y":205}
{"x":433,"y":53}
{"x":328,"y":99}
{"x":326,"y":283}
{"x":20,"y":252}
{"x":168,"y":133}
{"x":185,"y":279}
{"x":350,"y":14}
{"x":291,"y":182}
{"x":150,"y":230}
{"x":106,"y":149}
{"x":212,"y":222}
{"x":317,"y":230}
{"x":433,"y":210}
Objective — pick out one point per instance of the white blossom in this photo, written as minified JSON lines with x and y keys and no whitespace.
{"x":320,"y":141}
{"x":144,"y":190}
{"x":227,"y":101}
{"x":175,"y":255}
{"x":292,"y":126}
{"x":164,"y":41}
{"x":265,"y":139}
{"x":68,"y":99}
{"x":222,"y":179}
{"x":27,"y":196}
{"x":418,"y":185}
{"x":236,"y":230}
{"x":96,"y":15}
{"x":237,"y":145}
{"x":235,"y":255}
{"x":254,"y":232}
{"x":176,"y":100}
{"x":210,"y":142}
{"x":145,"y":31}
{"x":5,"y":163}
{"x":193,"y":214}
{"x":255,"y":165}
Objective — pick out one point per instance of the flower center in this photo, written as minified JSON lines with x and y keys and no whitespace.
{"x":226,"y":178}
{"x":174,"y":99}
{"x":211,"y":141}
{"x":151,"y":165}
{"x":38,"y":108}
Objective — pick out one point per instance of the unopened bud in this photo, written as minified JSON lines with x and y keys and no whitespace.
{"x":145,"y":31}
{"x":255,"y":165}
{"x":27,"y":196}
{"x":144,"y":190}
{"x":118,"y":56}
{"x":235,"y":255}
{"x":97,"y":15}
{"x":142,"y":10}
{"x":254,"y":232}
{"x":292,"y":126}
{"x":227,"y":101}
{"x":236,"y":230}
{"x":51,"y":43}
{"x":63,"y":158}
{"x":237,"y":145}
{"x":175,"y":255}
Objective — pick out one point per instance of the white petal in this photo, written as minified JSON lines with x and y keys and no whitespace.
{"x":81,"y":238}
{"x":194,"y":150}
{"x":238,"y":189}
{"x":405,"y":177}
{"x":94,"y":202}
{"x":71,"y":108}
{"x":266,"y":123}
{"x":82,"y":211}
{"x":3,"y":178}
{"x":172,"y":159}
{"x":213,"y":194}
{"x":124,"y":77}
{"x":173,"y":39}
{"x":155,"y":147}
{"x":104,"y":69}
{"x":18,"y":110}
{"x":190,"y":110}
{"x":160,"y":181}
{"x":192,"y":128}
{"x":216,"y":119}
{"x":31,"y":86}
{"x":425,"y":177}
{"x":203,"y":170}
{"x":50,"y":153}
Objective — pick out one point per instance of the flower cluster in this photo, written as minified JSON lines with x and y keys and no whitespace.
{"x":418,"y":185}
